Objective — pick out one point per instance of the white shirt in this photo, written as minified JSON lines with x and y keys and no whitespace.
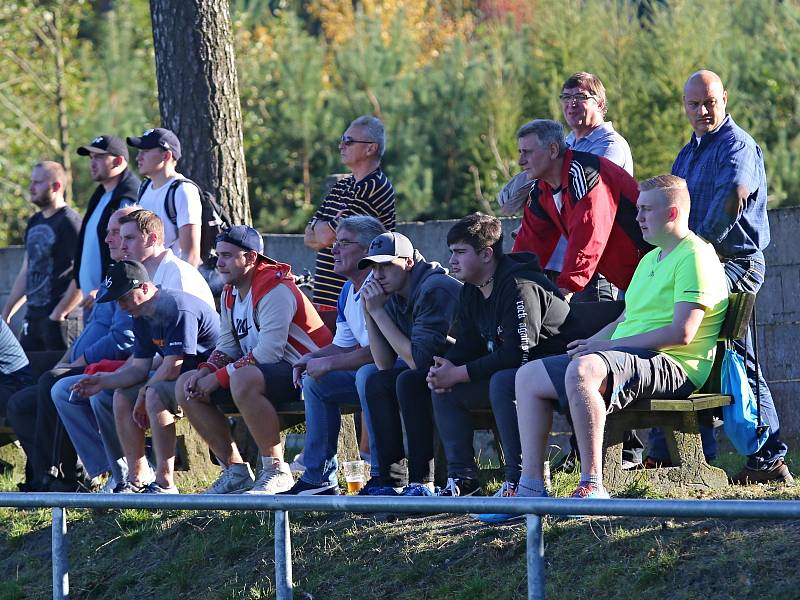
{"x":243,"y":321}
{"x":176,"y":274}
{"x":188,"y":209}
{"x":351,"y":326}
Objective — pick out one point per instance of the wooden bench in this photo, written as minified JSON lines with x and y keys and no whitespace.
{"x":680,"y":420}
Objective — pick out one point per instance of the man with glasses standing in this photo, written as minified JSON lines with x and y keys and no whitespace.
{"x":366,"y":191}
{"x":724,"y":170}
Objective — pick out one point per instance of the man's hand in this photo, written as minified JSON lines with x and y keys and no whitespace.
{"x":88,"y":301}
{"x":57,"y":316}
{"x":202,"y":386}
{"x":580,"y":347}
{"x":566,"y":293}
{"x":298,"y":368}
{"x":443,"y":375}
{"x":373,"y":296}
{"x":139,"y":414}
{"x":89,"y":385}
{"x":317,"y":367}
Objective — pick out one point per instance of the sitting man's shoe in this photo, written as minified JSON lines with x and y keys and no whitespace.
{"x":298,"y":466}
{"x":63,"y":486}
{"x":273,"y":479}
{"x":589,"y":490}
{"x":126,"y":487}
{"x":654,"y":463}
{"x":417,"y":489}
{"x":507,"y":490}
{"x":778,"y":472}
{"x":377,"y":486}
{"x":302,"y":488}
{"x":234,"y":479}
{"x":155,"y":488}
{"x":462,"y":486}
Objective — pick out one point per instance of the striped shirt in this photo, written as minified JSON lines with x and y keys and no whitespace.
{"x":372,"y":196}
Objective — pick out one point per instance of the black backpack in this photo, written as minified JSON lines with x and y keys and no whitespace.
{"x":215,"y":219}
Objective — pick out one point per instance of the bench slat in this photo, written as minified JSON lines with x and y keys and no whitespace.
{"x":693,"y":403}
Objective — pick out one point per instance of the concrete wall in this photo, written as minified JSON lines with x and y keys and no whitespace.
{"x":778,"y":302}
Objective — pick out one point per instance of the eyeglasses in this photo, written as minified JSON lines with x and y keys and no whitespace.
{"x":576,"y":98}
{"x":343,"y":243}
{"x":346,"y":140}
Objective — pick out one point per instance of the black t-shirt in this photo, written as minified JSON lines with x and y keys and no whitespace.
{"x":50,"y":245}
{"x":182,"y":325}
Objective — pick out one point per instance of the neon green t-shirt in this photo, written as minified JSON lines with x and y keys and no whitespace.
{"x":690,"y":273}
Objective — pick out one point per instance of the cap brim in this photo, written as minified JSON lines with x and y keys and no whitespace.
{"x":378,"y":259}
{"x":136,"y":142}
{"x":87,"y":150}
{"x":107,"y":295}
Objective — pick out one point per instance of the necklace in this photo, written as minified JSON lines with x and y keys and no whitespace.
{"x":487,"y":282}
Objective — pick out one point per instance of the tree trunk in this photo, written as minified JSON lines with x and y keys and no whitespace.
{"x":198,"y":95}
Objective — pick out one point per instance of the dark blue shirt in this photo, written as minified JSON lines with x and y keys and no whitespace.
{"x":713,"y":169}
{"x":182,"y":324}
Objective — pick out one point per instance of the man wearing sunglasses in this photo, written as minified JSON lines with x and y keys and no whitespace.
{"x":366,"y":191}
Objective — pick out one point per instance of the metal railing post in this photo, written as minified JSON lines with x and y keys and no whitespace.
{"x":60,"y":560}
{"x":535,"y":556}
{"x":283,"y":557}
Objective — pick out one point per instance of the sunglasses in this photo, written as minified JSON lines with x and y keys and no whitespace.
{"x":346,"y":140}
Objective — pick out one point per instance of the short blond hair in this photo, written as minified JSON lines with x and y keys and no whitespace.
{"x":674,"y":188}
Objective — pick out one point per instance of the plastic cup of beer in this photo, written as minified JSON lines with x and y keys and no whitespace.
{"x":354,"y":474}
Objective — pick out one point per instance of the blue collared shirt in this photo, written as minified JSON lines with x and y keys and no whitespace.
{"x":714,"y":168}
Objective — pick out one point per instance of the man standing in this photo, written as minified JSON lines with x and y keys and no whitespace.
{"x":662,"y":346}
{"x":334,"y":375}
{"x":118,"y":187}
{"x":509,"y":313}
{"x":267,"y":325}
{"x":724,"y":169}
{"x":587,"y":199}
{"x":47,"y":267}
{"x":176,"y":325}
{"x":410,"y":305}
{"x":366,"y":191}
{"x":157,"y":159}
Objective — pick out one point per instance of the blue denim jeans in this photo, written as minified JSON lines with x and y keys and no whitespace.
{"x":88,"y":422}
{"x":743,"y":275}
{"x":323,"y":397}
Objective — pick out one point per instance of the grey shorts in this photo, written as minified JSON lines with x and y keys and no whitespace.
{"x":278,"y":385}
{"x":165,"y":391}
{"x":633,"y":373}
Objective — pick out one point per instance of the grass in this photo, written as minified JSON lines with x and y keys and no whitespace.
{"x":169,"y":554}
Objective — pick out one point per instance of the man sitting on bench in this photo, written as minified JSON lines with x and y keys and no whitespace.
{"x":662,"y":346}
{"x":267,"y":323}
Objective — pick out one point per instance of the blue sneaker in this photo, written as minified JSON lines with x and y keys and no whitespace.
{"x":507,"y":490}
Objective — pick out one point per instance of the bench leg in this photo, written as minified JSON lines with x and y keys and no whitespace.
{"x":347,"y":445}
{"x":614,"y":478}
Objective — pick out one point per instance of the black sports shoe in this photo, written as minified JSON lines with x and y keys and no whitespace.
{"x":301,"y":488}
{"x":462,"y":486}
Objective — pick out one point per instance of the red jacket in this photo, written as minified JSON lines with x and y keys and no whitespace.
{"x":598,"y":218}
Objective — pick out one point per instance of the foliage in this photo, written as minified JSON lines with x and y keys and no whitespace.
{"x":452,"y":81}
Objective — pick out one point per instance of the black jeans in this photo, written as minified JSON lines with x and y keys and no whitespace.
{"x":392,"y":395}
{"x":39,"y":333}
{"x":33,"y":416}
{"x":454,"y":423}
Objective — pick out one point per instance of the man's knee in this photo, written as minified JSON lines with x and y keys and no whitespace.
{"x":585,"y":371}
{"x":153,"y":403}
{"x":245,"y":382}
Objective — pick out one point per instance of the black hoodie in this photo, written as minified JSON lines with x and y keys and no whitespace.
{"x":524,"y":318}
{"x":127,"y":188}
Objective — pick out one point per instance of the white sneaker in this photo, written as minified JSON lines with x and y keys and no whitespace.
{"x":297,"y":466}
{"x":273,"y":479}
{"x":235,"y":479}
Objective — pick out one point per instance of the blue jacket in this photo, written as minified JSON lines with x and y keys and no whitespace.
{"x":108,"y":334}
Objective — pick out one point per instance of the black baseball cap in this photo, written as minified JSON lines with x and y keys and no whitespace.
{"x":105,"y":144}
{"x":243,"y":236}
{"x":121,"y":278}
{"x":387,"y":247}
{"x":157,"y":138}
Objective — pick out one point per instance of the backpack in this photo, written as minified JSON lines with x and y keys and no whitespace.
{"x":214,"y":218}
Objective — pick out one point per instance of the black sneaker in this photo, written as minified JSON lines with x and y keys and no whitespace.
{"x":462,"y":486}
{"x":378,"y":486}
{"x":301,"y":488}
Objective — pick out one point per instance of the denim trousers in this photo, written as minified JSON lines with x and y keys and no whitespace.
{"x":323,"y":398}
{"x":89,"y":422}
{"x":452,"y":412}
{"x":743,"y":275}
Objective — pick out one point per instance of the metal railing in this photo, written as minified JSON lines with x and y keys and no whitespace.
{"x":532,"y":508}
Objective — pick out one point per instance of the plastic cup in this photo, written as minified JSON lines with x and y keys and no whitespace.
{"x":354,"y":474}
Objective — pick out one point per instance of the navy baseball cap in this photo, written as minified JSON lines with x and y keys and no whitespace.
{"x":121,"y":278}
{"x":105,"y":144}
{"x":387,"y":247}
{"x":157,"y":138}
{"x":243,"y":236}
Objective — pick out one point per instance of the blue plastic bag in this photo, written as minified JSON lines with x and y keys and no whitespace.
{"x":741,"y":417}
